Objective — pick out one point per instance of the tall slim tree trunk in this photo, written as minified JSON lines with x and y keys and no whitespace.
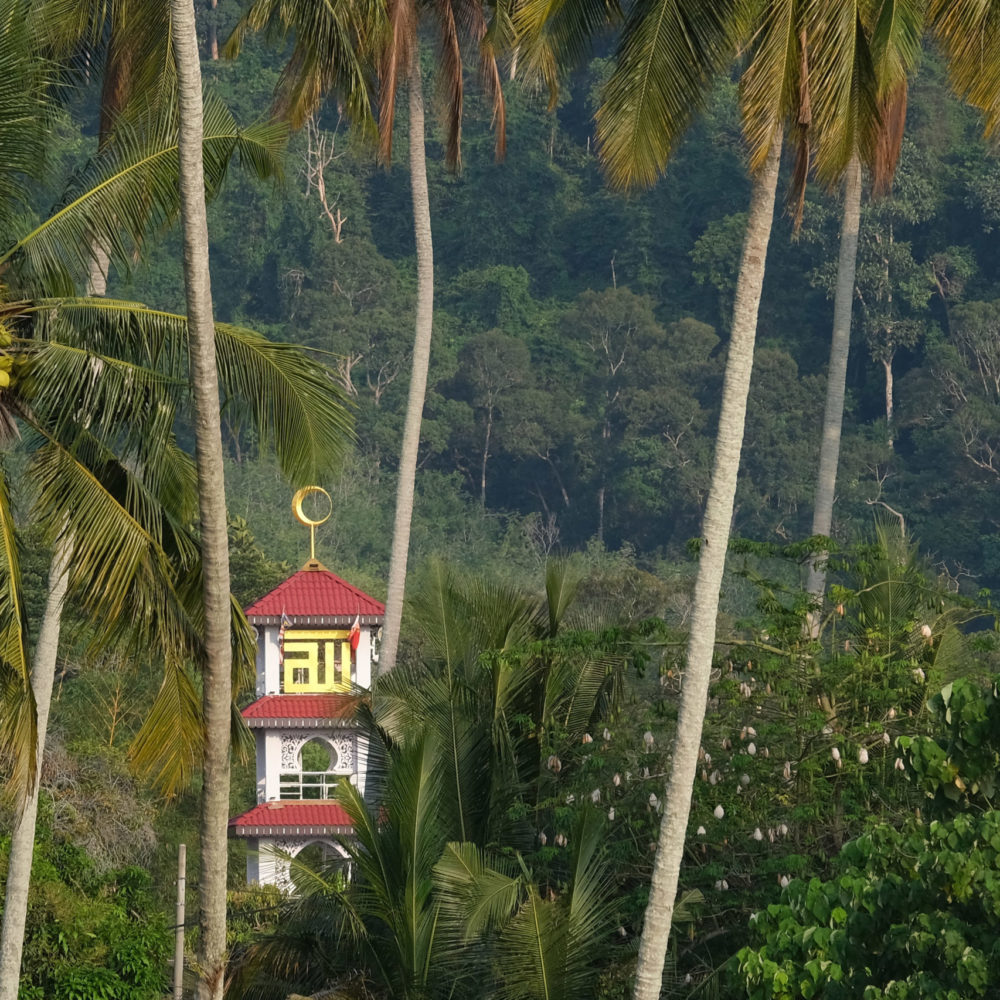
{"x":418,"y":381}
{"x":711,"y":565}
{"x":213,"y":31}
{"x":217,"y":696}
{"x":22,"y":844}
{"x":486,"y":457}
{"x":836,"y":379}
{"x":889,"y":407}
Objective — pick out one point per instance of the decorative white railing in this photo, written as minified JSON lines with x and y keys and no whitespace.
{"x":308,"y":785}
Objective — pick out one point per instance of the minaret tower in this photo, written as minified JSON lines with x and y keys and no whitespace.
{"x":316,"y":636}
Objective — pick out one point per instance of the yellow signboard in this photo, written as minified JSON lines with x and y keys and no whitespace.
{"x":316,"y":661}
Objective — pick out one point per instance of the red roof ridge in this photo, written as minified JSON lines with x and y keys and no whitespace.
{"x":317,"y":815}
{"x":316,"y":592}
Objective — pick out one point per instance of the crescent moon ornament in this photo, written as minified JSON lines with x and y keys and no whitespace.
{"x":311,"y":522}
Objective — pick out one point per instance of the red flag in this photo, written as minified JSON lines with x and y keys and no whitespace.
{"x":355,"y":636}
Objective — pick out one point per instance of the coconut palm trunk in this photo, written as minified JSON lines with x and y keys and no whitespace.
{"x":418,"y":380}
{"x":22,"y":843}
{"x":836,"y":379}
{"x":711,"y":565}
{"x":217,"y":694}
{"x":22,"y":846}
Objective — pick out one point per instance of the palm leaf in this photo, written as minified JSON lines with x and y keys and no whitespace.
{"x":292,"y":402}
{"x":969,"y":33}
{"x":895,"y":42}
{"x":771,"y":86}
{"x":552,"y":947}
{"x":25,"y":109}
{"x":450,"y":80}
{"x":118,"y":563}
{"x":476,"y":897}
{"x":561,"y":586}
{"x":843,"y":87}
{"x":553,"y":36}
{"x":331,"y":54}
{"x":132,"y":407}
{"x":168,"y":746}
{"x":129,"y":188}
{"x":669,"y":53}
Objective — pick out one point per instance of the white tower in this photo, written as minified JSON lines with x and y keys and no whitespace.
{"x":316,"y":635}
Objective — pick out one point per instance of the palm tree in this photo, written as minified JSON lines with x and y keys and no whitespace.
{"x":217,"y":686}
{"x":342,"y":48}
{"x":97,"y":382}
{"x":895,"y":31}
{"x":808,"y":71}
{"x":502,"y":925}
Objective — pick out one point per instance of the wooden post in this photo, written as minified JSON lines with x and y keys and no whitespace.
{"x":179,"y":928}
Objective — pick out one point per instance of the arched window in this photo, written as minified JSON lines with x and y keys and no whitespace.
{"x":317,"y":755}
{"x":317,"y":859}
{"x":314,"y":778}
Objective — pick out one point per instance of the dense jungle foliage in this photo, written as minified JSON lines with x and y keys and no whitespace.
{"x":580,"y":334}
{"x":580,"y":340}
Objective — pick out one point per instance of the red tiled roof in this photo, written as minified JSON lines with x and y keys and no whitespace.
{"x":312,"y":708}
{"x":315,"y":593}
{"x":290,"y":816}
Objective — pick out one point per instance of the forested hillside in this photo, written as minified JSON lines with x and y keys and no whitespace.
{"x":580,"y":334}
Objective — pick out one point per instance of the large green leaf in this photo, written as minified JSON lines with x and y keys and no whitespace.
{"x":292,"y":401}
{"x":25,"y":109}
{"x":969,"y":33}
{"x":669,"y":54}
{"x":129,"y":188}
{"x":333,"y":53}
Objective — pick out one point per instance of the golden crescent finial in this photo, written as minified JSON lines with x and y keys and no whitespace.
{"x":310,"y":522}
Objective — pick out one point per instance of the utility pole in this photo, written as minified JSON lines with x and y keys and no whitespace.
{"x":179,"y":928}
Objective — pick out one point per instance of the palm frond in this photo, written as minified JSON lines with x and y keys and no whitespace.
{"x":668,"y":55}
{"x":771,"y":88}
{"x":168,"y":746}
{"x":844,"y":88}
{"x":128,"y":189}
{"x":398,"y":53}
{"x":292,"y":402}
{"x":561,"y":585}
{"x":553,"y":36}
{"x":895,"y":42}
{"x":25,"y":109}
{"x":553,"y":946}
{"x":450,"y":81}
{"x":132,"y":35}
{"x":969,"y":33}
{"x":331,"y":54}
{"x":477,"y":895}
{"x":118,"y":530}
{"x":65,"y":387}
{"x":491,"y":38}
